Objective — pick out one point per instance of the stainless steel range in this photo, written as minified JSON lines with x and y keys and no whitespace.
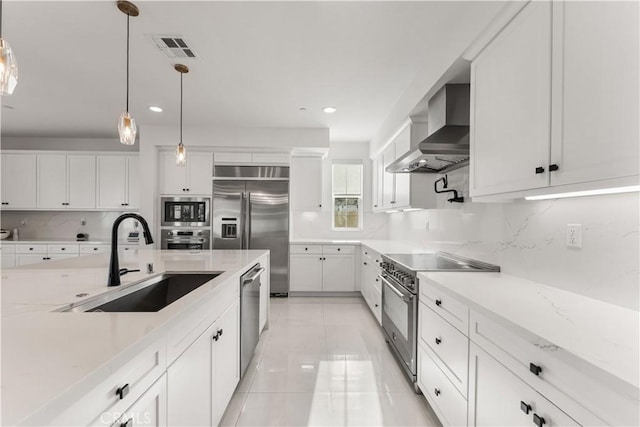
{"x":400,"y":298}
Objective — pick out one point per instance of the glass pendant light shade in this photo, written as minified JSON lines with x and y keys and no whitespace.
{"x":127,"y":129}
{"x":8,"y":69}
{"x":181,"y":155}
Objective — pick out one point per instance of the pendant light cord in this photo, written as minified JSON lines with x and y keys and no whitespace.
{"x":127,"y":109}
{"x":181,"y":74}
{"x":0,"y":19}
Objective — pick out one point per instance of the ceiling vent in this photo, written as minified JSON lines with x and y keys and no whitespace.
{"x":174,"y":46}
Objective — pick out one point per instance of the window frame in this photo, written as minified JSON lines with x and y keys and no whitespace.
{"x":359,"y":196}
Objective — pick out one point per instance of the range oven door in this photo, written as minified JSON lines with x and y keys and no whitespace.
{"x":399,"y":322}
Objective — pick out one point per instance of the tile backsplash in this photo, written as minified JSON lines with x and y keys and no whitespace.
{"x":528,"y":239}
{"x":62,"y":225}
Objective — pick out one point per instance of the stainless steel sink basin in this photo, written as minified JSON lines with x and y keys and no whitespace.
{"x":149,"y":295}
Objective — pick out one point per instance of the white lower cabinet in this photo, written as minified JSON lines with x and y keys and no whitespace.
{"x":322,"y":268}
{"x":499,"y":398}
{"x":202,"y":380}
{"x":369,"y":281}
{"x":150,"y":409}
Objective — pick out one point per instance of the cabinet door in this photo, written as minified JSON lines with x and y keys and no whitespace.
{"x":8,"y":261}
{"x":306,"y":273}
{"x":189,"y":384}
{"x":19,"y":181}
{"x":338,"y":273}
{"x":375,"y":184}
{"x":306,"y":184}
{"x":150,"y":409}
{"x":133,"y":182}
{"x":112,"y":177}
{"x":30,"y":259}
{"x":52,"y":181}
{"x":511,"y":104}
{"x":81,"y":175}
{"x":497,"y":396}
{"x":595,"y":91}
{"x":388,"y":179}
{"x":225,"y":360}
{"x":173,"y":178}
{"x":200,"y":170}
{"x":403,"y":180}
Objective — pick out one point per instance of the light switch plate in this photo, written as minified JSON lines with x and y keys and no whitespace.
{"x":574,"y":235}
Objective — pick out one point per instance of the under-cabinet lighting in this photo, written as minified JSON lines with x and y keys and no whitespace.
{"x":392,"y":211}
{"x":616,"y":190}
{"x":411,"y":209}
{"x":155,"y":109}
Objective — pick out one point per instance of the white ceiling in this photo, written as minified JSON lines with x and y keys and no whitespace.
{"x":258,"y":62}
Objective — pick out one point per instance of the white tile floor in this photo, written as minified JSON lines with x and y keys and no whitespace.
{"x":324,"y":362}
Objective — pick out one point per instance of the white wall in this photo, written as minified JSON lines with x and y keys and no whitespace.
{"x":527,"y":239}
{"x":318,"y":224}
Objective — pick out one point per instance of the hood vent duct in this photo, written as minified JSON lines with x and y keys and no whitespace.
{"x":447,"y":148}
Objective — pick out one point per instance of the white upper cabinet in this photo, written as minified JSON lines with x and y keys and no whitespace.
{"x":511,"y":104}
{"x":395,"y":191}
{"x":66,"y":181}
{"x":192,"y":178}
{"x":118,"y":182}
{"x":596,"y":132}
{"x":555,"y":101}
{"x":247,"y":158}
{"x":19,"y":181}
{"x":306,"y":184}
{"x":346,"y":179}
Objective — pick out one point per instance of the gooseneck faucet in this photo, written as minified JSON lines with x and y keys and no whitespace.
{"x":114,"y":265}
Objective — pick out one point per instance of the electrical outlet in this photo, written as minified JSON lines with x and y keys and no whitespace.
{"x":574,"y":235}
{"x":23,"y":222}
{"x":83,"y":221}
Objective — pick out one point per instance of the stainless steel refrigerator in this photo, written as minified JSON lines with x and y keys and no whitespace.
{"x":251,"y":211}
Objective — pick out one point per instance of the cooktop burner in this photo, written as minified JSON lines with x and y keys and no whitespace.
{"x":439,"y":261}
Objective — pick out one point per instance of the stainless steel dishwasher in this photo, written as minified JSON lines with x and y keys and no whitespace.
{"x":249,"y":315}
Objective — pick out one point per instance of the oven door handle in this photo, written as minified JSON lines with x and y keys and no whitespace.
{"x":404,"y":297}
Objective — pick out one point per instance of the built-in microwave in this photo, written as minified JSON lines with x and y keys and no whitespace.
{"x":185,"y":211}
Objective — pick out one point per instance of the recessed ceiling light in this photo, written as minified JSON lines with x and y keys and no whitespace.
{"x":329,"y":110}
{"x":155,"y":109}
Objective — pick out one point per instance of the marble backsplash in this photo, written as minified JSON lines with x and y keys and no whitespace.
{"x":527,"y":239}
{"x":62,"y":225}
{"x":318,"y":224}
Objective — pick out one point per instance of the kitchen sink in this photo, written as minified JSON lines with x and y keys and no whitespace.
{"x":149,"y":295}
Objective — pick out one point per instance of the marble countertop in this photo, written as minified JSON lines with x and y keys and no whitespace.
{"x":54,"y":241}
{"x":380,"y":246}
{"x":46,"y":354}
{"x":604,"y":335}
{"x":311,"y":241}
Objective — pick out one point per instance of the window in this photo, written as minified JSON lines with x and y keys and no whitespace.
{"x":346,"y":195}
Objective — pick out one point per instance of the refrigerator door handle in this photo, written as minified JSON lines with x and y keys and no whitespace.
{"x":248,"y":222}
{"x":243,"y":220}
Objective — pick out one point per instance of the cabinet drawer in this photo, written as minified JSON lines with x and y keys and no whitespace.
{"x":579,"y":394}
{"x":445,"y":305}
{"x":500,"y":398}
{"x":63,"y":249}
{"x":31,"y":249}
{"x":337,"y":250}
{"x":24,"y":259}
{"x":443,"y":396}
{"x":7,"y":249}
{"x":448,"y":343}
{"x":98,"y":405}
{"x":94,"y":249}
{"x":306,"y":249}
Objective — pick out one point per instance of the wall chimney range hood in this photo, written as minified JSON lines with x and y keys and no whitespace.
{"x":447,"y":148}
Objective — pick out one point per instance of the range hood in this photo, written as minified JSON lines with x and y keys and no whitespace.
{"x":447,"y":148}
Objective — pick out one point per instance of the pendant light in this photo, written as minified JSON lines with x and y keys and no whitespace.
{"x":126,"y":124}
{"x":181,"y":153}
{"x":8,"y":64}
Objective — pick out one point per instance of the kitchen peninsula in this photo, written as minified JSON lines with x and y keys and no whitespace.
{"x":99,"y":368}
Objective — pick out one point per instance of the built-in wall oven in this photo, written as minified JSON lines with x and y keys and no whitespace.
{"x":399,"y":279}
{"x":185,"y":211}
{"x":185,"y":239}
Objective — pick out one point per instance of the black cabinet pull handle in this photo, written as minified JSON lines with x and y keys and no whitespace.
{"x":319,"y":206}
{"x":122,"y":391}
{"x":377,"y":280}
{"x":436,"y":391}
{"x":63,"y":249}
{"x":338,"y":249}
{"x":553,"y":167}
{"x":538,"y":420}
{"x":438,"y":302}
{"x":95,"y":249}
{"x":365,"y":263}
{"x":535,"y":369}
{"x":306,"y":249}
{"x":438,"y":341}
{"x":376,"y":305}
{"x":539,"y":169}
{"x":128,"y":423}
{"x":525,"y":407}
{"x":216,"y":336}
